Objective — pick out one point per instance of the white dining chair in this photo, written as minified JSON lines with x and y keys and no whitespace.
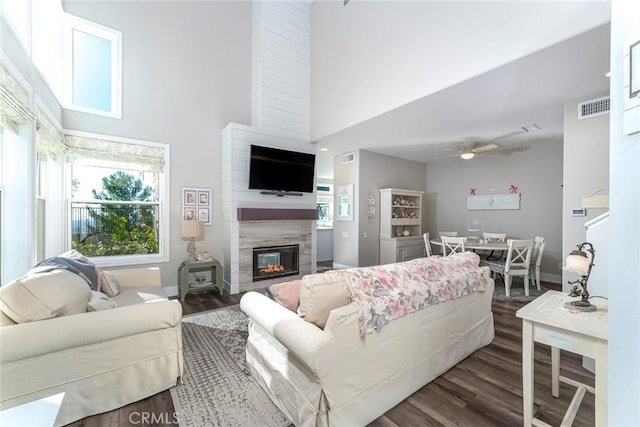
{"x":448,"y":233}
{"x":536,"y":261}
{"x":452,"y":245}
{"x":517,"y":263}
{"x":493,"y":237}
{"x":427,"y":243}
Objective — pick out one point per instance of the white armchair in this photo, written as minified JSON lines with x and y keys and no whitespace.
{"x":101,"y":360}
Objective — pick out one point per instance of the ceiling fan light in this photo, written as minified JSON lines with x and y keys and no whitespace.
{"x":467,"y":156}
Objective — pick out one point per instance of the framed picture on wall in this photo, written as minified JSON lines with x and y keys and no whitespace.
{"x":634,"y":69}
{"x":345,"y":202}
{"x":196,"y":204}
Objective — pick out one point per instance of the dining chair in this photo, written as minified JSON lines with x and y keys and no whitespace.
{"x":475,"y":229}
{"x":452,"y":245}
{"x":427,"y":243}
{"x":448,"y":233}
{"x":536,"y":260}
{"x":493,"y":237}
{"x":517,"y":263}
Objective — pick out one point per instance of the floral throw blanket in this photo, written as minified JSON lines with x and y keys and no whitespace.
{"x":388,"y":292}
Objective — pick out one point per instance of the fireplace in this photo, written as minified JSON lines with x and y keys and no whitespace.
{"x":275,"y":261}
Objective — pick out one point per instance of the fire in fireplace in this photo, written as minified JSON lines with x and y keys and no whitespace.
{"x":275,"y":261}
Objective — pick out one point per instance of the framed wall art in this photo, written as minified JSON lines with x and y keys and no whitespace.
{"x":196,"y":204}
{"x":345,"y":202}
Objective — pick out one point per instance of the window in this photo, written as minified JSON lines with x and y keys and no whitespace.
{"x":93,"y":68}
{"x":119,"y":207}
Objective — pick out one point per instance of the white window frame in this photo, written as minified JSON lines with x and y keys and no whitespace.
{"x":165,"y":203}
{"x":74,"y":23}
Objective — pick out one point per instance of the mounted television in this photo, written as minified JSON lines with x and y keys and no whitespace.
{"x":281,"y":171}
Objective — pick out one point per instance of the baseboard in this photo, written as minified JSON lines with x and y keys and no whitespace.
{"x":171,"y":291}
{"x":341,"y":266}
{"x":551,"y":278}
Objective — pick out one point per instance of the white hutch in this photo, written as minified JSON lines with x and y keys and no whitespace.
{"x":400,"y":225}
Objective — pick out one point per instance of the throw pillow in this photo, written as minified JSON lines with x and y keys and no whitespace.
{"x":286,"y":294}
{"x":321,"y":293}
{"x":109,"y":284}
{"x":41,"y":296}
{"x":100,"y":301}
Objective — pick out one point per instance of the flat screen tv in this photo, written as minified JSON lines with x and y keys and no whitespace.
{"x":281,"y":171}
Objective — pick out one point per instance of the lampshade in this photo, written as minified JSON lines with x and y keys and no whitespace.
{"x":193,"y":230}
{"x":467,"y":156}
{"x":578,"y":262}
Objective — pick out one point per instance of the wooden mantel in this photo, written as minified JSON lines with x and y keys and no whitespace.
{"x":258,"y":214}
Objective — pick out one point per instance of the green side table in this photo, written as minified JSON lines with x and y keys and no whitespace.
{"x":184,"y":287}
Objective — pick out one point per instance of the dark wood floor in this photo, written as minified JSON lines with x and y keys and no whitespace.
{"x":485,"y":389}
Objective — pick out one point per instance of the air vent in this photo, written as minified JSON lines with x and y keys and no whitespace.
{"x":595,"y":107}
{"x":348,"y":158}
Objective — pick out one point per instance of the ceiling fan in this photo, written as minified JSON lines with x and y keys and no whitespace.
{"x":468,"y":149}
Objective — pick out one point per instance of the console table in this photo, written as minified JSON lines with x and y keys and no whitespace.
{"x":546,"y":320}
{"x":184,"y":287}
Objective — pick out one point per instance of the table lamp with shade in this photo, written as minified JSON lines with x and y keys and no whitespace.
{"x":579,"y":262}
{"x":192,"y":230}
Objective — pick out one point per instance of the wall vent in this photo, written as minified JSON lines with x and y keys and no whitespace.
{"x":348,"y":158}
{"x":595,"y":107}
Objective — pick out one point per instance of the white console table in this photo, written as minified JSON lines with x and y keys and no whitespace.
{"x":39,"y":413}
{"x":546,"y":320}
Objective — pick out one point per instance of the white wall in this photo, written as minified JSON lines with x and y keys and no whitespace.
{"x":345,"y":233}
{"x":624,"y":268}
{"x":401,"y":47}
{"x":585,"y":171}
{"x":186,"y":74}
{"x":537,"y":172}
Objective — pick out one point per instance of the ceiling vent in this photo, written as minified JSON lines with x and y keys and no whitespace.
{"x":595,"y":107}
{"x":348,"y":158}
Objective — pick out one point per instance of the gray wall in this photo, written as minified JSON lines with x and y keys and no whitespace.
{"x":380,"y":171}
{"x":537,"y":172}
{"x":186,"y":75}
{"x":586,"y":170}
{"x":370,"y":172}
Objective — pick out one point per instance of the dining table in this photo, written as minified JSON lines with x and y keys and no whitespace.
{"x":481,"y":245}
{"x":477,"y":244}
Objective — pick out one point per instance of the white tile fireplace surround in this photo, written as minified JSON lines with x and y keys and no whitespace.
{"x":273,"y":227}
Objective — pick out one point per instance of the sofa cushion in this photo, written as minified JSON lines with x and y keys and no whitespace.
{"x":140,"y":296}
{"x":286,"y":294}
{"x":321,"y":293}
{"x":100,"y":301}
{"x":109,"y":284}
{"x":44,"y":295}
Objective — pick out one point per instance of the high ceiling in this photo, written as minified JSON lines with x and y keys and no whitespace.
{"x":492,"y":107}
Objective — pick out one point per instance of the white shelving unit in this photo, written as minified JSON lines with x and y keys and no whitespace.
{"x":400,"y":225}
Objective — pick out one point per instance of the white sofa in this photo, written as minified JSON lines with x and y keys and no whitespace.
{"x":101,"y":360}
{"x":333,"y":377}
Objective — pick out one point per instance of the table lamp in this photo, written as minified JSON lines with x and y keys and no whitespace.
{"x":578,"y":262}
{"x":192,"y":231}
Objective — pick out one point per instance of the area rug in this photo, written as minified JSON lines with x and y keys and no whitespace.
{"x":216,"y":387}
{"x":516,"y":292}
